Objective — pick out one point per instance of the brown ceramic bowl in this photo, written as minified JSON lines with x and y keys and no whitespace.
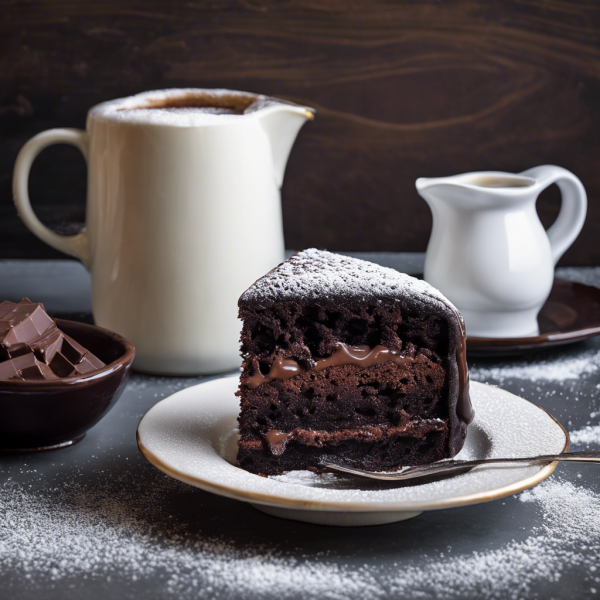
{"x":45,"y":415}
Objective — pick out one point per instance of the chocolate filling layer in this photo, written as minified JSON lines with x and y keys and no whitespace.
{"x":363,"y":356}
{"x":278,"y":440}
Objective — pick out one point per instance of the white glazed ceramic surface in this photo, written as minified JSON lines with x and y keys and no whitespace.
{"x":183,"y":214}
{"x":488,"y":251}
{"x":192,"y":437}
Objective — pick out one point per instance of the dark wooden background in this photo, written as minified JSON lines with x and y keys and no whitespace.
{"x":403,"y":89}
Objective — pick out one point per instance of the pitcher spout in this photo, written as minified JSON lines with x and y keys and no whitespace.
{"x":422,"y":183}
{"x":281,"y":121}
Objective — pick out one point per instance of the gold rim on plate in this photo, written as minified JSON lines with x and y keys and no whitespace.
{"x":283,"y":502}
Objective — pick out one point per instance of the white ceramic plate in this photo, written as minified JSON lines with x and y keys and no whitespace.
{"x":192,"y":436}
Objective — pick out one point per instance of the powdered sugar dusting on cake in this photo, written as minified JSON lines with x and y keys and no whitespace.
{"x":316,"y":274}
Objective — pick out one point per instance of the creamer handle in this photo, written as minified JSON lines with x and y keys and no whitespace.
{"x":74,"y":245}
{"x":573,"y":207}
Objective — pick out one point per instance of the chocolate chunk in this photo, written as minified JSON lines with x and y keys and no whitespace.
{"x":72,"y":351}
{"x":9,"y":371}
{"x":70,"y":358}
{"x":86,"y":365}
{"x":74,"y":360}
{"x":33,"y":348}
{"x":15,"y":350}
{"x":48,"y":345}
{"x":26,"y":367}
{"x":61,"y":366}
{"x":92,"y":360}
{"x":22,"y":322}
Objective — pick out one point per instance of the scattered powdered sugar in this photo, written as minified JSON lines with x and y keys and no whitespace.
{"x":315,"y":274}
{"x":587,"y":436}
{"x":585,"y":275}
{"x":102,"y":531}
{"x":308,"y":478}
{"x":567,"y":536}
{"x":73,"y":531}
{"x":560,"y":368}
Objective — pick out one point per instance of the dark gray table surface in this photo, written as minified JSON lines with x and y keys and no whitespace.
{"x":96,"y":521}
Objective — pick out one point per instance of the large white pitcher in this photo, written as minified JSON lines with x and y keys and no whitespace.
{"x":183,"y":214}
{"x":488,"y":251}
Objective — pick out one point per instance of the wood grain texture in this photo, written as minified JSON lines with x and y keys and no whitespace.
{"x":402,"y":89}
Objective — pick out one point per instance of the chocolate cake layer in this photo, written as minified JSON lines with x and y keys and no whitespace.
{"x":380,"y":451}
{"x":345,"y":397}
{"x":334,"y":344}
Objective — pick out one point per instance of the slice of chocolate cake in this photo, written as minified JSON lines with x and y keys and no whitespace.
{"x":350,"y":362}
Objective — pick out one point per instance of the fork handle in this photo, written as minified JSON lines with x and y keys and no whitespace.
{"x":452,"y":465}
{"x":585,"y":456}
{"x":461,"y":465}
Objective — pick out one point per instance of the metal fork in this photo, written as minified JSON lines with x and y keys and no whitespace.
{"x":448,"y":466}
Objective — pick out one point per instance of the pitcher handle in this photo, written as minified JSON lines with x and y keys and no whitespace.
{"x":74,"y":245}
{"x":573,"y":206}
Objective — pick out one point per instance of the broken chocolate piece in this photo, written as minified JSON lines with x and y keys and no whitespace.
{"x":21,"y":323}
{"x":48,"y":345}
{"x":33,"y":348}
{"x":26,"y":367}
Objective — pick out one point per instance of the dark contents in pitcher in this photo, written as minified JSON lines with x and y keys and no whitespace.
{"x":33,"y":348}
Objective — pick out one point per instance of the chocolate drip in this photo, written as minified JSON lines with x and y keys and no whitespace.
{"x":281,"y":369}
{"x":277,"y":441}
{"x":363,"y":356}
{"x":464,"y":408}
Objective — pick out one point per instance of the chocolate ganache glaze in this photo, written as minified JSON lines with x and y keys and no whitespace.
{"x":464,"y":408}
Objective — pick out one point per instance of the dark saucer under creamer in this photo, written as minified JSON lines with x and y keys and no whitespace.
{"x":48,"y":414}
{"x":571,"y":314}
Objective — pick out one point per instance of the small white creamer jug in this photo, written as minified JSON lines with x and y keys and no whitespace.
{"x":488,"y":251}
